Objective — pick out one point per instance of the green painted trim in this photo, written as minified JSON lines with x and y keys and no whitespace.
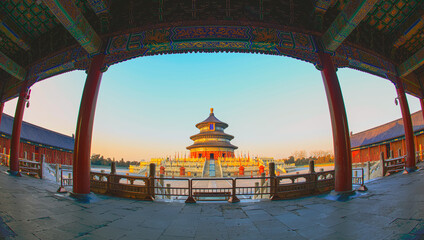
{"x":12,"y":67}
{"x":37,"y":144}
{"x":347,"y":20}
{"x":412,"y":63}
{"x":417,"y":133}
{"x":77,"y":25}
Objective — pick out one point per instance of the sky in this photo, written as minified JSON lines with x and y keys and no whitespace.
{"x":148,"y":107}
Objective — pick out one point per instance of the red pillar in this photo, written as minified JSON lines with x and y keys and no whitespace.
{"x":241,"y":171}
{"x":341,"y":140}
{"x":407,"y":124}
{"x":422,"y":107}
{"x":81,"y":161}
{"x":1,"y":114}
{"x":16,"y":132}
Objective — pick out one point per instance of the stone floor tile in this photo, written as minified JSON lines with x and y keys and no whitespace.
{"x":32,"y":210}
{"x":167,"y":237}
{"x":54,"y":234}
{"x":258,"y":215}
{"x":109,"y":232}
{"x":315,"y":231}
{"x":401,"y":225}
{"x":294,"y":221}
{"x":76,"y":228}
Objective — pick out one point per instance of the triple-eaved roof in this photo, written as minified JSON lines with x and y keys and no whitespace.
{"x":386,"y":132}
{"x":37,"y":135}
{"x":212,"y":119}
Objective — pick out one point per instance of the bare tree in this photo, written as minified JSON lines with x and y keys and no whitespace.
{"x":301,"y":154}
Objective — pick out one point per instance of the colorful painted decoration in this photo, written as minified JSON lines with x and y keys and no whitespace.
{"x":74,"y":21}
{"x":351,"y":15}
{"x":12,"y":35}
{"x":412,"y":63}
{"x":99,"y":6}
{"x":12,"y":67}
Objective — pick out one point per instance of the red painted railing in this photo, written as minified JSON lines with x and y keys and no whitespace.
{"x":121,"y":185}
{"x":300,"y":185}
{"x":358,"y":176}
{"x":4,"y":159}
{"x":199,"y":189}
{"x":393,"y":165}
{"x":32,"y":168}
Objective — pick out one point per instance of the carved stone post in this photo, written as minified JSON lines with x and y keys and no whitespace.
{"x":151,"y":184}
{"x":271,"y":167}
{"x":234,"y":198}
{"x":190,"y":198}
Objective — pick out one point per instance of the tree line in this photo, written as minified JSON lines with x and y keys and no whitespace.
{"x":299,"y":158}
{"x":97,"y":159}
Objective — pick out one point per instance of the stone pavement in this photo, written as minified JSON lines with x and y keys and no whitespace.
{"x":393,"y":208}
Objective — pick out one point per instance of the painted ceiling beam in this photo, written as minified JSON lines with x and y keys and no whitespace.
{"x":321,"y":6}
{"x":74,"y":21}
{"x":12,"y":67}
{"x":347,"y":20}
{"x":13,"y":32}
{"x":410,"y":32}
{"x":99,"y":6}
{"x":412,"y":63}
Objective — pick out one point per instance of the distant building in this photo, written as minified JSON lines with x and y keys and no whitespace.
{"x":37,"y":142}
{"x":212,"y":142}
{"x":388,"y":139}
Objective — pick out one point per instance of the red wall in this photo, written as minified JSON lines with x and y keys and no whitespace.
{"x":373,"y":153}
{"x":51,"y":155}
{"x":207,"y":154}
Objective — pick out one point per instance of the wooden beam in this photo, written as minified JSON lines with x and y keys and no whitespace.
{"x":347,"y":20}
{"x":73,"y":20}
{"x":321,"y":6}
{"x":13,"y":32}
{"x":12,"y":67}
{"x":410,"y":32}
{"x":99,"y":6}
{"x":412,"y":63}
{"x":413,"y":80}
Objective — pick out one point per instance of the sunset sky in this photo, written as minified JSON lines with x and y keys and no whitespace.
{"x":148,"y":107}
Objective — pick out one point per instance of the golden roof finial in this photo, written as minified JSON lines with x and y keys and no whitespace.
{"x":211,"y":110}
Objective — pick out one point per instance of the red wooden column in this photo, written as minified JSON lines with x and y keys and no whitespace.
{"x":422,"y":106}
{"x":341,"y":139}
{"x":16,"y":131}
{"x":3,"y":145}
{"x":81,"y":161}
{"x":407,"y":124}
{"x":1,"y":113}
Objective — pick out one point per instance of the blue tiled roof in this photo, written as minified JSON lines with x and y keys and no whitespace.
{"x":36,"y":134}
{"x":386,"y":131}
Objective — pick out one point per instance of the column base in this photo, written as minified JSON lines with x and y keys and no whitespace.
{"x":342,"y":196}
{"x":409,"y":170}
{"x":14,"y":173}
{"x":234,"y":199}
{"x":275,"y":197}
{"x":61,"y":190}
{"x":362,"y":188}
{"x":149,"y":198}
{"x":84,"y":198}
{"x":190,"y":200}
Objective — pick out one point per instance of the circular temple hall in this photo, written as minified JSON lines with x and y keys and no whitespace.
{"x":211,"y":142}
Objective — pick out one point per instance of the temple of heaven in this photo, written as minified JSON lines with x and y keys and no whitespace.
{"x":211,"y":142}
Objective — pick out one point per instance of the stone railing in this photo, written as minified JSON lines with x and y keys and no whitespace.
{"x":300,"y":185}
{"x":122,"y":185}
{"x":4,"y":159}
{"x":32,"y":168}
{"x":199,"y":189}
{"x":393,"y":165}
